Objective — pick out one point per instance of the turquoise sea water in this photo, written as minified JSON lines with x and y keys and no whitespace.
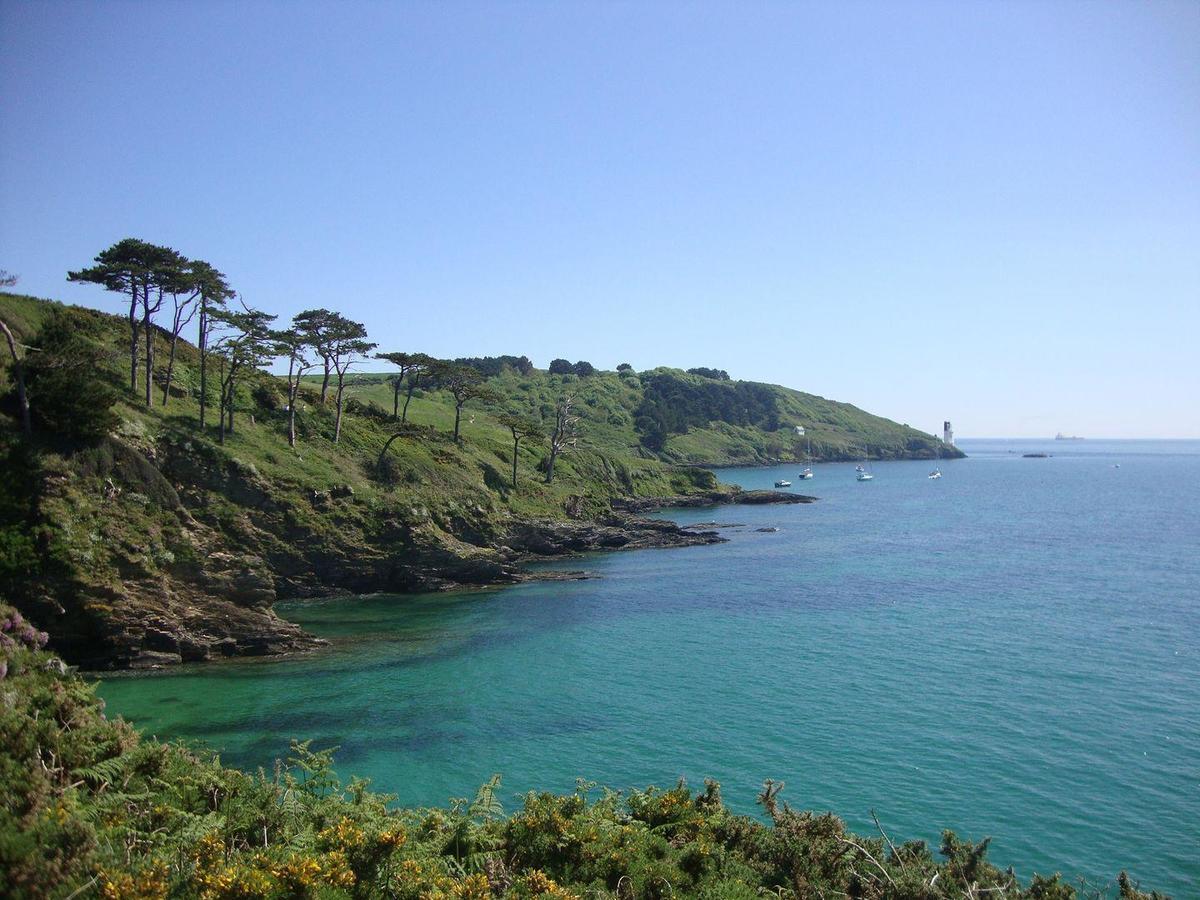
{"x":1012,"y":650}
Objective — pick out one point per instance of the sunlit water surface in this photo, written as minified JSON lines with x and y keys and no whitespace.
{"x":1011,"y":650}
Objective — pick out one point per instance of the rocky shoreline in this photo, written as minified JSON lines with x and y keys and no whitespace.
{"x":229,"y":613}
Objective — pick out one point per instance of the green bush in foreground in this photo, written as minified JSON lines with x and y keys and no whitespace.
{"x":90,"y":809}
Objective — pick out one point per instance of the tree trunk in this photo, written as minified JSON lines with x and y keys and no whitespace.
{"x":550,"y":467}
{"x":383,"y":452}
{"x":325,"y":383}
{"x":203,"y":344}
{"x":292,"y":420}
{"x":412,"y":386}
{"x":147,"y":327}
{"x":293,"y":390}
{"x":337,"y":420}
{"x":19,"y":376}
{"x":134,"y":331}
{"x":457,"y":416}
{"x":170,"y":367}
{"x":396,"y":400}
{"x":516,"y":444}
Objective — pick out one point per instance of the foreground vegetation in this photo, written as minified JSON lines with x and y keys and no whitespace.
{"x":92,"y":809}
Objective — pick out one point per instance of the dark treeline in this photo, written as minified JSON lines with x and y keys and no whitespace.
{"x":583,"y":368}
{"x":490,"y":366}
{"x":671,"y":404}
{"x":704,"y":372}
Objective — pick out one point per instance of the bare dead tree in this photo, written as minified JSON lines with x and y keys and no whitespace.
{"x":565,"y":434}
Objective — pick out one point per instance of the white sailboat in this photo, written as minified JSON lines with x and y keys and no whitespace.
{"x":864,"y":473}
{"x":808,"y":472}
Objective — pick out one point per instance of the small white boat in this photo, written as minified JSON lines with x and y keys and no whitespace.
{"x":936,"y":473}
{"x":863,"y":474}
{"x":806,"y":474}
{"x":782,"y":483}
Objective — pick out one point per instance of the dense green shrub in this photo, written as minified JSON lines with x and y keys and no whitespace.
{"x":490,"y":366}
{"x":672,"y":403}
{"x":69,"y":390}
{"x":705,"y":372}
{"x":19,"y":558}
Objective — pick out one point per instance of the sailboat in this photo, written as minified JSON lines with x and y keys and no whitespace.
{"x":861,"y":469}
{"x":937,"y":470}
{"x":808,"y":472}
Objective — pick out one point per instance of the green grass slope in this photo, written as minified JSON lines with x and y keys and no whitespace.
{"x":609,"y":403}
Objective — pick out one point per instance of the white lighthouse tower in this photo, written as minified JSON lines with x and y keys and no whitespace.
{"x":947,"y":434}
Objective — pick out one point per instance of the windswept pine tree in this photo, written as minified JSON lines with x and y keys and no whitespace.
{"x":522,"y":428}
{"x":246,"y":344}
{"x":293,"y":344}
{"x":145,"y":272}
{"x":464,"y":384}
{"x":411,"y":366}
{"x":215,"y":294}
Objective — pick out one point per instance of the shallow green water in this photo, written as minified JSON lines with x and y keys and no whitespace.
{"x":1013,"y":651}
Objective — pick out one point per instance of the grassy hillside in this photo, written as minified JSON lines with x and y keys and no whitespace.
{"x":610,"y":401}
{"x":93,"y":809}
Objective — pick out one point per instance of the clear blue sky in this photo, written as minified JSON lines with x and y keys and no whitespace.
{"x":982,"y":211}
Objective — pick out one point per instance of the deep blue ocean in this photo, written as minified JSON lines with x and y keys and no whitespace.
{"x":1012,"y":650}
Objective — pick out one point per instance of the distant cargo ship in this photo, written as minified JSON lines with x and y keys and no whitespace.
{"x":1067,"y":437}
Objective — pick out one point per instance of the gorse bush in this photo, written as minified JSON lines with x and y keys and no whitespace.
{"x":91,"y":809}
